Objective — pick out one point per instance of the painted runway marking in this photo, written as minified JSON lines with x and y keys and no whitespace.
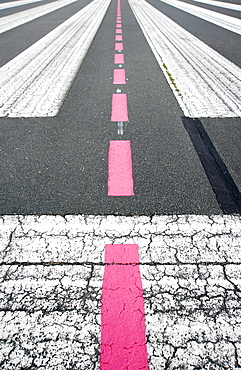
{"x":119,"y":76}
{"x":13,"y":4}
{"x":118,"y":38}
{"x":206,"y":83}
{"x":14,"y":20}
{"x":35,"y":82}
{"x":221,"y":20}
{"x":221,"y":4}
{"x":119,"y":59}
{"x":119,"y":46}
{"x":123,"y":333}
{"x":118,"y":31}
{"x":119,"y":110}
{"x":120,"y":179}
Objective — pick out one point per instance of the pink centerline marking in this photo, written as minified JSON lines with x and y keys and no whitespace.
{"x":118,"y":21}
{"x":119,"y":110}
{"x":120,"y":179}
{"x":123,"y":331}
{"x":118,"y":38}
{"x":118,"y":26}
{"x":119,"y":46}
{"x":119,"y":77}
{"x":118,"y":31}
{"x":119,"y":59}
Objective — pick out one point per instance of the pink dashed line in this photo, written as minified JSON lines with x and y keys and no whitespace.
{"x":123,"y":332}
{"x":118,"y":21}
{"x":119,"y":77}
{"x":120,"y":179}
{"x":118,"y":31}
{"x":119,"y":59}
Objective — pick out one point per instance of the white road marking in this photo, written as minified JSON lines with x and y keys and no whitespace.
{"x":205,"y":83}
{"x":13,"y":4}
{"x":221,"y":4}
{"x":222,"y":20}
{"x":51,"y":276}
{"x":35,"y":83}
{"x":14,"y":20}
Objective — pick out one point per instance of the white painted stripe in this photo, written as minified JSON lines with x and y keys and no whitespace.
{"x":35,"y":83}
{"x":221,"y":4}
{"x":17,"y":19}
{"x":209,"y":83}
{"x":13,"y":4}
{"x":222,"y":20}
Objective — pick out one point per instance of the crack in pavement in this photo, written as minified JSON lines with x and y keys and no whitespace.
{"x":51,"y":281}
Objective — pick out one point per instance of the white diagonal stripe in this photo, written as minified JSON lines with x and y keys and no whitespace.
{"x":221,"y":4}
{"x":209,"y":84}
{"x":222,"y":20}
{"x":35,"y":83}
{"x":17,"y":19}
{"x":13,"y":4}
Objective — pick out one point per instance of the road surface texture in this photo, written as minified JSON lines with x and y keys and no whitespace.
{"x":120,"y":203}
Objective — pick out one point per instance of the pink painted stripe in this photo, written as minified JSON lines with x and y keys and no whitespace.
{"x":118,"y":38}
{"x":123,"y":331}
{"x":119,"y":59}
{"x":119,"y":46}
{"x":118,"y":21}
{"x":119,"y":77}
{"x":119,"y":110}
{"x":120,"y":179}
{"x":118,"y":26}
{"x":118,"y":31}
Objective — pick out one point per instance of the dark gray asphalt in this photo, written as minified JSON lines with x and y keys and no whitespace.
{"x":59,"y":165}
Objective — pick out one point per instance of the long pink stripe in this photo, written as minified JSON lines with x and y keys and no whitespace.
{"x":119,"y":59}
{"x":120,"y":180}
{"x":123,"y":337}
{"x":119,"y":76}
{"x":119,"y":110}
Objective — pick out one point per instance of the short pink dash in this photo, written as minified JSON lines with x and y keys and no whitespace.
{"x":118,"y":38}
{"x":118,"y":21}
{"x":118,"y":26}
{"x":118,"y":17}
{"x":118,"y":31}
{"x":119,"y":111}
{"x":120,"y":180}
{"x":119,"y":77}
{"x":119,"y":59}
{"x":119,"y":46}
{"x":123,"y":331}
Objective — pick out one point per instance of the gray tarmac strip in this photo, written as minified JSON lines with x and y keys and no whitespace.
{"x":59,"y":165}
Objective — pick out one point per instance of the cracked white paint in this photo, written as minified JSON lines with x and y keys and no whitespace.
{"x":35,"y":82}
{"x":205,"y":83}
{"x":51,"y":278}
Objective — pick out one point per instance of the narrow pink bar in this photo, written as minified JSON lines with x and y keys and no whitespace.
{"x":123,"y":331}
{"x":118,"y":31}
{"x":118,"y":25}
{"x":118,"y":38}
{"x":119,"y":77}
{"x":119,"y":110}
{"x":120,"y":179}
{"x":119,"y":46}
{"x":119,"y":59}
{"x":118,"y":21}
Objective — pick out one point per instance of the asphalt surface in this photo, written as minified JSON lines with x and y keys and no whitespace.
{"x":59,"y":165}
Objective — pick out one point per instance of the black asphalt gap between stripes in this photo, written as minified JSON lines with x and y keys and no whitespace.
{"x":59,"y":165}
